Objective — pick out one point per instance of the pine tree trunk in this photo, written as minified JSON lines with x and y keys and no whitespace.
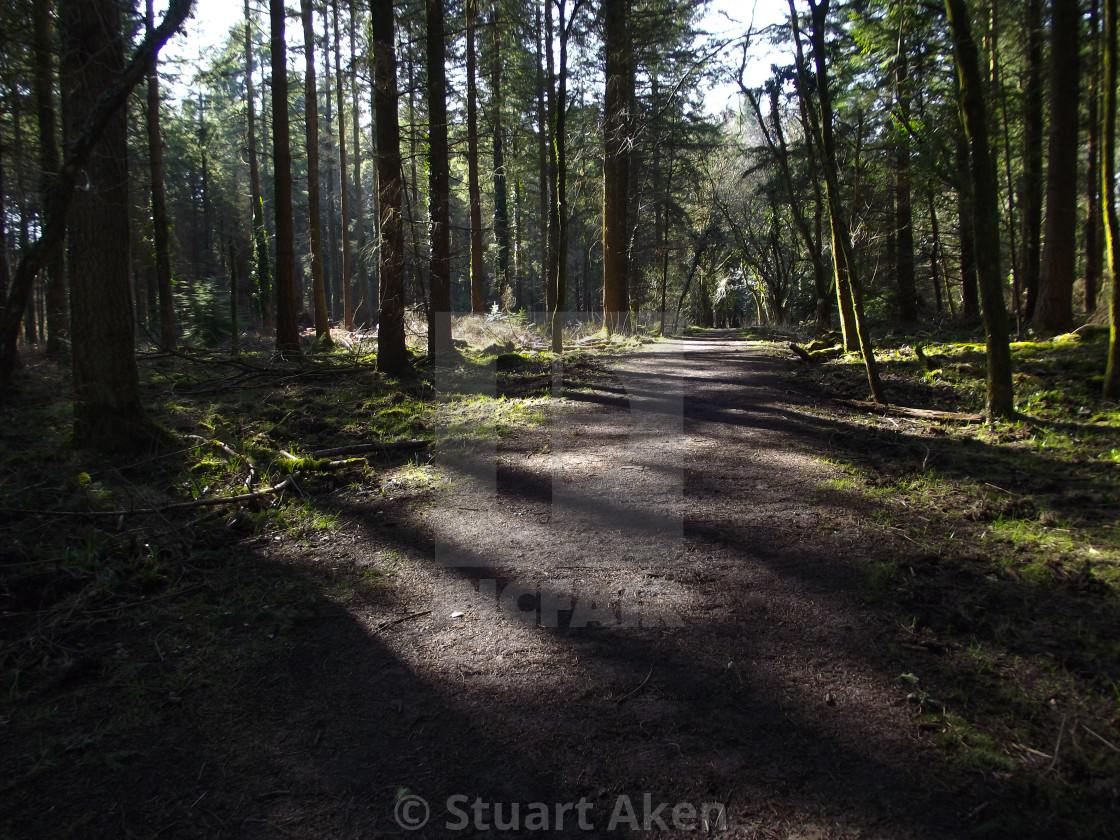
{"x":392,"y":355}
{"x":287,"y":306}
{"x":314,"y":206}
{"x":474,"y":192}
{"x":616,"y":167}
{"x":846,"y":274}
{"x":1059,"y":255}
{"x":58,"y":325}
{"x":260,"y":232}
{"x":501,"y":191}
{"x":544,"y":181}
{"x":439,"y":184}
{"x":560,"y":205}
{"x":107,"y":409}
{"x":904,"y":216}
{"x":966,"y":229}
{"x":1001,"y":396}
{"x":1093,"y":228}
{"x":367,"y":307}
{"x":1108,"y":195}
{"x":343,"y":178}
{"x":1030,"y":190}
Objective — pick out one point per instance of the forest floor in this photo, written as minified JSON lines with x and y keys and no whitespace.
{"x":671,"y":591}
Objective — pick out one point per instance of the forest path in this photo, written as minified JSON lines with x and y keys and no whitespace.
{"x":656,"y":592}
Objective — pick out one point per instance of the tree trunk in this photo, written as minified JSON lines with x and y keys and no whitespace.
{"x":544,"y":181}
{"x":107,"y":409}
{"x":904,"y":216}
{"x":1108,"y":196}
{"x":1059,"y":255}
{"x":367,"y":306}
{"x":1030,"y":190}
{"x":474,"y":193}
{"x":501,"y":188}
{"x":314,"y":206}
{"x":343,"y":178}
{"x":1001,"y":396}
{"x":616,"y":166}
{"x":287,"y":306}
{"x":160,"y":234}
{"x":560,"y":204}
{"x":1093,"y":228}
{"x":439,"y":184}
{"x":966,"y":229}
{"x":846,"y":273}
{"x":260,"y":232}
{"x":57,"y":313}
{"x":392,"y":355}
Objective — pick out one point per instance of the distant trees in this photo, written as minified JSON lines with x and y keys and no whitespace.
{"x":577,"y":172}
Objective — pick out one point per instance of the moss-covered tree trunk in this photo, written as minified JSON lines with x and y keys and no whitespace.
{"x":1001,"y":397}
{"x":1108,"y":195}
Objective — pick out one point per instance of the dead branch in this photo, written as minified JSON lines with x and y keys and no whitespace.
{"x":385,"y":448}
{"x":913,"y":413}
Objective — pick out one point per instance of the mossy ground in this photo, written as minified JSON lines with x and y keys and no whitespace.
{"x":1015,"y":567}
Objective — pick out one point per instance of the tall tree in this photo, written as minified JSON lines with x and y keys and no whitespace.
{"x":107,"y":409}
{"x":616,"y":165}
{"x":344,"y":178}
{"x":904,"y":216}
{"x":287,"y":309}
{"x":974,"y":111}
{"x":1093,"y":228}
{"x":501,"y":190}
{"x":392,"y":355}
{"x":1059,"y":254}
{"x":314,"y":208}
{"x":80,"y":147}
{"x":159,"y":207}
{"x":824,"y":137}
{"x":474,"y":191}
{"x":439,"y":183}
{"x":57,"y":315}
{"x":368,"y":301}
{"x":260,"y":233}
{"x":1031,"y":181}
{"x":1108,"y":194}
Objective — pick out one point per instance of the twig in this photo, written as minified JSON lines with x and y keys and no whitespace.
{"x":1101,"y":738}
{"x":630,"y":694}
{"x":384,"y":625}
{"x":361,"y":448}
{"x":1058,"y":745}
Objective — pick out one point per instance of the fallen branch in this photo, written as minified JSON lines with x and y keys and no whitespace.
{"x":385,"y":448}
{"x":194,"y":503}
{"x":805,"y":355}
{"x":913,"y":413}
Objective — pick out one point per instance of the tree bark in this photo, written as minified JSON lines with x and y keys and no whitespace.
{"x":501,"y":187}
{"x":846,"y":272}
{"x":58,"y":325}
{"x":1030,"y":190}
{"x":343,"y":179}
{"x":260,"y":231}
{"x":367,"y":306}
{"x":1108,"y":196}
{"x":1093,"y":229}
{"x":974,"y":112}
{"x":314,"y":206}
{"x":107,"y":409}
{"x":904,"y":215}
{"x":1059,"y":255}
{"x":616,"y":167}
{"x":439,"y":184}
{"x":392,"y":355}
{"x":474,"y":192}
{"x":287,"y":307}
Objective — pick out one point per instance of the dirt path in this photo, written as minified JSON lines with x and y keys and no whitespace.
{"x":648,"y":597}
{"x":648,"y":614}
